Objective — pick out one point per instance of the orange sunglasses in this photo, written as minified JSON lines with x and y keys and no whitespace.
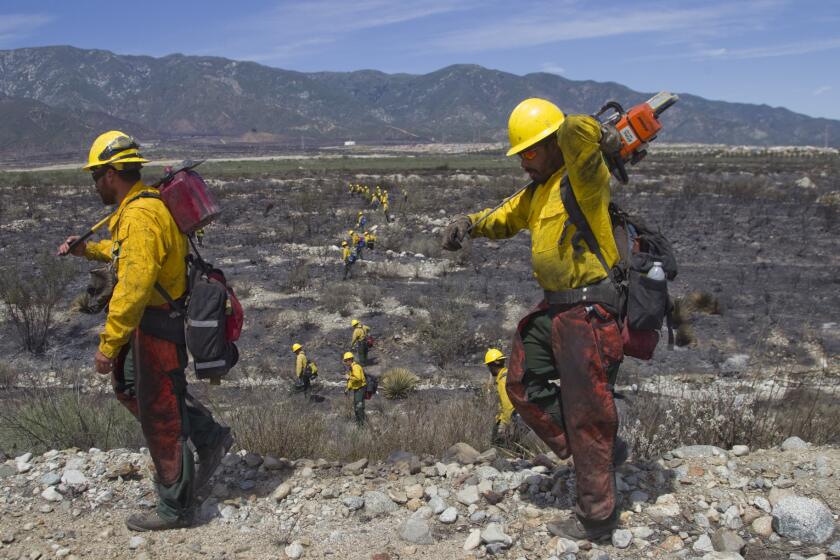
{"x":528,"y":154}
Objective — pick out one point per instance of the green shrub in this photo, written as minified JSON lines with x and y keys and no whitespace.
{"x":398,"y":383}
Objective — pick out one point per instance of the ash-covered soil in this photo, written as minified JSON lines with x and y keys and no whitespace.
{"x":757,"y":233}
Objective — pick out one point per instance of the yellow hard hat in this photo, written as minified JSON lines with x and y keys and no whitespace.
{"x":493,"y":355}
{"x":114,"y":148}
{"x":354,"y":323}
{"x":531,"y":121}
{"x":296,"y":347}
{"x":350,"y":232}
{"x":344,"y":244}
{"x":347,"y":356}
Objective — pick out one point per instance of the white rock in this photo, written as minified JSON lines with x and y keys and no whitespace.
{"x":449,"y":515}
{"x":494,"y":533}
{"x":467,"y":495}
{"x":294,"y":550}
{"x":52,"y":495}
{"x":740,"y":450}
{"x":74,"y":478}
{"x":25,"y":458}
{"x":793,"y":443}
{"x":763,"y":504}
{"x":621,"y":538}
{"x":282,"y":492}
{"x":473,"y":540}
{"x":703,"y":544}
{"x":136,"y":542}
{"x":437,"y":504}
{"x":566,"y":546}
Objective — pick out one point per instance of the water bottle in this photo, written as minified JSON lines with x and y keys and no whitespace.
{"x":656,"y":272}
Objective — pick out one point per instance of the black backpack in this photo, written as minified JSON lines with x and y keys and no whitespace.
{"x":644,"y":303}
{"x":372,"y":385}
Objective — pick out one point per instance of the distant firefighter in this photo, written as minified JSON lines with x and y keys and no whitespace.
{"x":356,"y":382}
{"x":305,"y":370}
{"x":495,"y":362}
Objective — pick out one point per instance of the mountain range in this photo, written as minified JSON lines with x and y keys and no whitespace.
{"x":54,"y":100}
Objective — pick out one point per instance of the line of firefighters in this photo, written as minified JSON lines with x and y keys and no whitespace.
{"x":565,"y":355}
{"x":354,"y":361}
{"x":353,"y":246}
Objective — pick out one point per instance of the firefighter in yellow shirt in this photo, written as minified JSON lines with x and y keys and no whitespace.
{"x":348,"y":257}
{"x":305,"y":370}
{"x":359,"y":341}
{"x":495,"y":362}
{"x":142,"y":345}
{"x":573,"y":336}
{"x":356,"y":382}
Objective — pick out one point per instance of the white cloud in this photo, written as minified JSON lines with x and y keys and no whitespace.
{"x":764,"y":51}
{"x":301,"y":26}
{"x":552,"y":68}
{"x":17,"y":26}
{"x":822,"y":89}
{"x":545,"y":23}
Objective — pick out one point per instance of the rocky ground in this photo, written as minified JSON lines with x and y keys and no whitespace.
{"x":695,"y":502}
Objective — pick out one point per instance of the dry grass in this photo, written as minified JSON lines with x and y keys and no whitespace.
{"x":719,"y":415}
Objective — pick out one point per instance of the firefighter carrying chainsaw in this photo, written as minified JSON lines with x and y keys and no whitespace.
{"x":143,"y":344}
{"x":573,"y":336}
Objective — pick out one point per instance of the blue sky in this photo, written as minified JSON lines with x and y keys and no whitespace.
{"x":779,"y":52}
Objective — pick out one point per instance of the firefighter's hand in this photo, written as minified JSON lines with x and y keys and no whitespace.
{"x":455,"y":232}
{"x":102,"y":363}
{"x":78,"y":250}
{"x":610,"y":140}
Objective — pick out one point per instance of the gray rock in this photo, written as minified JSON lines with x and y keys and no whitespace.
{"x":724,"y":540}
{"x":353,"y":503}
{"x":7,"y":470}
{"x":467,"y":495}
{"x":722,"y":556}
{"x":462,"y":453}
{"x":701,"y":520}
{"x":763,"y":504}
{"x":355,"y":467}
{"x":803,"y":519}
{"x":51,"y":479}
{"x":834,"y":549}
{"x":494,"y":533}
{"x":437,"y":504}
{"x":478,"y":516}
{"x":703,"y":544}
{"x":488,"y":456}
{"x":621,"y":538}
{"x":417,"y":531}
{"x":424,"y":512}
{"x":642,"y":532}
{"x":252,"y":460}
{"x":449,"y":515}
{"x":596,"y":554}
{"x":273,"y":463}
{"x":378,"y":503}
{"x":294,"y":550}
{"x":486,"y":472}
{"x":638,"y":497}
{"x":778,"y":494}
{"x":731,"y":518}
{"x":499,"y":548}
{"x":7,"y":537}
{"x":793,"y":443}
{"x":694,"y":451}
{"x":740,"y":450}
{"x":136,"y":542}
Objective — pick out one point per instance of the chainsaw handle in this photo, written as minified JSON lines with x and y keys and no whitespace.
{"x":615,"y":106}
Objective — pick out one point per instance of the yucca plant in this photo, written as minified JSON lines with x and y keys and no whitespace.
{"x":398,"y":383}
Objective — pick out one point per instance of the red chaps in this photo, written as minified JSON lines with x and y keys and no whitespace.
{"x":585,"y":342}
{"x":151,"y":396}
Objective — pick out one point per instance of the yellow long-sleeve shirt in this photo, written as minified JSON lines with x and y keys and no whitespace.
{"x":540,"y":210}
{"x":146,"y":247}
{"x":505,"y":406}
{"x":356,"y":377}
{"x":301,"y":363}
{"x":359,"y":335}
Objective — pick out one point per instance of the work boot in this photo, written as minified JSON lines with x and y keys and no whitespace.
{"x":209,"y":459}
{"x":153,"y":522}
{"x":577,"y":528}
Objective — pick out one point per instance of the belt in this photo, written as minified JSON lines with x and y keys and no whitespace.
{"x":159,"y":322}
{"x":601,"y":292}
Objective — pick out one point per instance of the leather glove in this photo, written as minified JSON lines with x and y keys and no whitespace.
{"x":455,"y":232}
{"x":610,"y":140}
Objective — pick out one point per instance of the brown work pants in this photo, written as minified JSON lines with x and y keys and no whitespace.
{"x":576,"y":346}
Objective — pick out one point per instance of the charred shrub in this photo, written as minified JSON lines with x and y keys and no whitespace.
{"x":30,"y":294}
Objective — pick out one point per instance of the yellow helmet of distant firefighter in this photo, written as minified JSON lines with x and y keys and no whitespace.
{"x":347,"y":356}
{"x":296,"y":347}
{"x":531,"y":121}
{"x":493,"y":355}
{"x":114,"y":148}
{"x":354,"y":323}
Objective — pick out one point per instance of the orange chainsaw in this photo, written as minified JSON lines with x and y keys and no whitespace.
{"x":627,"y":133}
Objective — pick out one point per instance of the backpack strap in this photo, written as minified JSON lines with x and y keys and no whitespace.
{"x":577,"y":217}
